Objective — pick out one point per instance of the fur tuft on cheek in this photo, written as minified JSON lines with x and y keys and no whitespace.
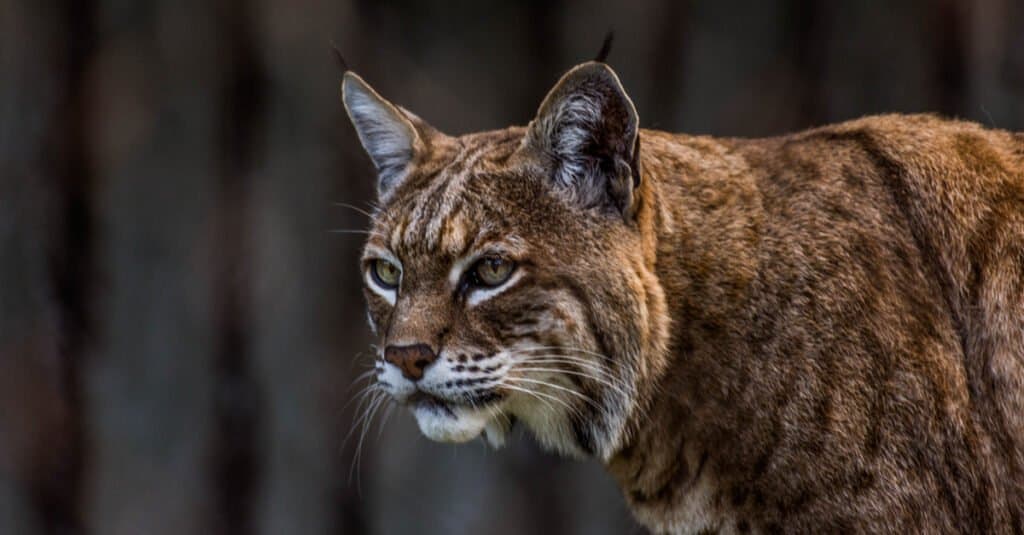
{"x":497,"y":431}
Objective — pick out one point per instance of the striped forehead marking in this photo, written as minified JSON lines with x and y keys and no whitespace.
{"x":437,"y":203}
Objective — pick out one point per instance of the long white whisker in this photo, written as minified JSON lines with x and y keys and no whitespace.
{"x":354,"y":207}
{"x":361,"y":395}
{"x":357,"y":459}
{"x":362,"y":377}
{"x":549,"y":359}
{"x":590,"y":370}
{"x":577,"y":350}
{"x":384,"y":419}
{"x":521,"y":382}
{"x":367,"y":395}
{"x":562,"y":388}
{"x":536,"y":354}
{"x":579,"y":374}
{"x":542,"y":397}
{"x":583,"y":366}
{"x":356,"y":231}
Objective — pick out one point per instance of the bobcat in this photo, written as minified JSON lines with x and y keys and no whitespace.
{"x":817,"y":332}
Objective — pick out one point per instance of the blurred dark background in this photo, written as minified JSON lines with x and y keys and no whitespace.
{"x":179,"y":328}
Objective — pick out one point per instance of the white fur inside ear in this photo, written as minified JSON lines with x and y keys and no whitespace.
{"x":570,"y":130}
{"x":586,"y":128}
{"x":388,"y":137}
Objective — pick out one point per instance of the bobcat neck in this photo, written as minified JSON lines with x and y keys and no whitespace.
{"x":703,"y":220}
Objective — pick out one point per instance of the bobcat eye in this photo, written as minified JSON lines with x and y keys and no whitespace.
{"x":385,"y":274}
{"x":491,"y":271}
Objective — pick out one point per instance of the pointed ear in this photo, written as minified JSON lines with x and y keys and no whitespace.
{"x":587,"y":131}
{"x":386,"y":131}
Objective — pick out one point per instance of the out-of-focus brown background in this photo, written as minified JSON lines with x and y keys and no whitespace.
{"x":179,"y":328}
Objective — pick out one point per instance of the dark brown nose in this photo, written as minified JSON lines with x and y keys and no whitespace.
{"x":412,"y":360}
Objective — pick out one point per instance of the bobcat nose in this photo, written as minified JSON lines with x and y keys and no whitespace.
{"x":412,"y":360}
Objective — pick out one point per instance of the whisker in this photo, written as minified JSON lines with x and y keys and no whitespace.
{"x":356,"y":456}
{"x":357,"y":459}
{"x":521,"y":382}
{"x":576,"y":350}
{"x":589,"y":368}
{"x":579,"y":374}
{"x":354,"y":207}
{"x":361,"y":395}
{"x":549,"y":359}
{"x":368,"y":394}
{"x":507,"y":418}
{"x":535,"y":354}
{"x":357,"y":231}
{"x":562,"y":388}
{"x":362,"y":377}
{"x":362,"y":387}
{"x":384,"y":419}
{"x":544,"y":398}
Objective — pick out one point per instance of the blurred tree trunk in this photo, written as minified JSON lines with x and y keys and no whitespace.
{"x":304,"y":280}
{"x":235,"y":462}
{"x":995,"y":62}
{"x":155,"y":88}
{"x":45,"y":245}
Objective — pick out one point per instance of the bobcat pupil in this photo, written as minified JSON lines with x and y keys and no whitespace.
{"x":491,"y":271}
{"x":386,"y":273}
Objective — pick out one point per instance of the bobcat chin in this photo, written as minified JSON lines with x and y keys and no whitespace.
{"x":817,"y":332}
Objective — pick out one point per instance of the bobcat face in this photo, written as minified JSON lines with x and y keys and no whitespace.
{"x":505,"y":272}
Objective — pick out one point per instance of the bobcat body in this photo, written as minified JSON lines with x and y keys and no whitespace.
{"x":816,"y":332}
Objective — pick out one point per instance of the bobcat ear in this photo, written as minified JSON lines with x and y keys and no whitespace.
{"x":586,"y":129}
{"x":386,"y":131}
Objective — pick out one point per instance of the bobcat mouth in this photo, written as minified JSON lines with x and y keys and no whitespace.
{"x":444,"y":420}
{"x":427,"y":401}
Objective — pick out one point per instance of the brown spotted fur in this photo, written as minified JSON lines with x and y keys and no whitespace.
{"x":820,"y":332}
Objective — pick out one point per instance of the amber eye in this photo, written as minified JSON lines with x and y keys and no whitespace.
{"x":492,"y":271}
{"x":385,"y":273}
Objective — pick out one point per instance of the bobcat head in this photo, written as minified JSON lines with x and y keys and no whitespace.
{"x":509,"y":275}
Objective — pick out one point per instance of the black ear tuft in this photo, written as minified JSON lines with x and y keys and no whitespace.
{"x":342,"y":64}
{"x":606,"y":47}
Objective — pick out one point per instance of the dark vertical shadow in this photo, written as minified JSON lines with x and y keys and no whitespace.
{"x":354,"y":502}
{"x":950,"y":50}
{"x":236,"y":455}
{"x":543,"y":53}
{"x":1012,"y":63}
{"x":668,"y":65}
{"x":72,"y":269}
{"x":809,"y":51}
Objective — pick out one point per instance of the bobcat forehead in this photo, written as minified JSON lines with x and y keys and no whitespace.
{"x":448,"y":206}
